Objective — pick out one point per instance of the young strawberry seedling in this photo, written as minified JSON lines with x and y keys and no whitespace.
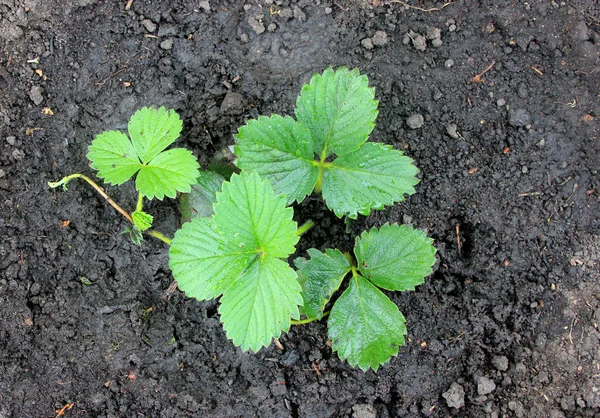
{"x":238,"y":233}
{"x":159,"y":173}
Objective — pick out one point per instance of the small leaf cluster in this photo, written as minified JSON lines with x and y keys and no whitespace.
{"x":159,"y":173}
{"x":326,"y":150}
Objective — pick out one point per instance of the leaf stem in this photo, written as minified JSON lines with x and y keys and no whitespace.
{"x":140,"y":203}
{"x":91,"y":182}
{"x":304,"y":227}
{"x":308,"y":320}
{"x":158,"y":235}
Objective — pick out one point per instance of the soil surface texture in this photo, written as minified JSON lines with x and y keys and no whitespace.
{"x":496,"y":101}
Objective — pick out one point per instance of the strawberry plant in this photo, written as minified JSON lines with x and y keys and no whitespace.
{"x":237,"y":234}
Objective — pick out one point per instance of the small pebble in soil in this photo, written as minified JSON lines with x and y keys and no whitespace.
{"x":449,"y":63}
{"x":380,"y":38}
{"x":455,"y":396}
{"x":256,"y":26}
{"x":233,"y":104}
{"x":166,"y":44}
{"x":367,"y":43}
{"x":451,"y":129}
{"x":364,"y":411}
{"x":36,"y":95}
{"x":328,"y":10}
{"x":271,"y":27}
{"x":149,"y":25}
{"x":415,"y":121}
{"x":485,"y":385}
{"x":204,"y":5}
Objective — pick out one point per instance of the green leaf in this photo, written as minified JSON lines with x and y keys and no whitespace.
{"x":365,"y":326}
{"x":280,"y":150}
{"x":249,"y":213}
{"x":260,"y":304}
{"x":395,"y":257}
{"x":236,"y":253}
{"x":152,"y":130}
{"x":203,"y":262}
{"x":371,"y":177}
{"x":169,"y":172}
{"x":340,"y":110}
{"x":141,"y":220}
{"x":198,"y":203}
{"x":320,"y":277}
{"x":117,"y":158}
{"x":113,"y":155}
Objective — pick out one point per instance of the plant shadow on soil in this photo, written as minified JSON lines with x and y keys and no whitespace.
{"x":506,"y":325}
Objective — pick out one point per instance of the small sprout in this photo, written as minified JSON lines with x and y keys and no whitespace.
{"x":85,"y":281}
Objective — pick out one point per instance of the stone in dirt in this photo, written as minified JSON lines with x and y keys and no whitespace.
{"x":455,"y":396}
{"x":415,"y":121}
{"x":36,"y":95}
{"x":149,"y":25}
{"x":485,"y":385}
{"x":364,"y":411}
{"x":256,"y":25}
{"x":380,"y":38}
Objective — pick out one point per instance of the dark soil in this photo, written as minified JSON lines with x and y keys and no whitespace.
{"x":506,"y":326}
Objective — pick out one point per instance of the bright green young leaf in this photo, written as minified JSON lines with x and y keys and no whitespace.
{"x":112,"y":153}
{"x":171,"y":171}
{"x":320,"y":277}
{"x":259,"y":305}
{"x":117,"y":157}
{"x":340,"y":110}
{"x":152,"y":130}
{"x":203,"y":262}
{"x":248,"y":212}
{"x":395,"y":257}
{"x":141,"y":220}
{"x":236,"y":253}
{"x":281,"y":150}
{"x":371,"y":177}
{"x":198,"y":203}
{"x":365,"y":326}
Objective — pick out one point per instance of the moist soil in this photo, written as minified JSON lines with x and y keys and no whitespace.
{"x":507,"y":325}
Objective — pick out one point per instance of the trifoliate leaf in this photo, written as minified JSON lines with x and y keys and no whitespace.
{"x":365,"y":326}
{"x":320,"y":277}
{"x":117,"y":157}
{"x":198,"y":203}
{"x":236,"y":253}
{"x":281,"y":150}
{"x":152,"y":130}
{"x":371,"y":177}
{"x":141,"y":220}
{"x":395,"y":257}
{"x":171,"y":171}
{"x":112,"y":153}
{"x":340,"y":110}
{"x":203,"y":262}
{"x":260,"y":304}
{"x":248,"y":212}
